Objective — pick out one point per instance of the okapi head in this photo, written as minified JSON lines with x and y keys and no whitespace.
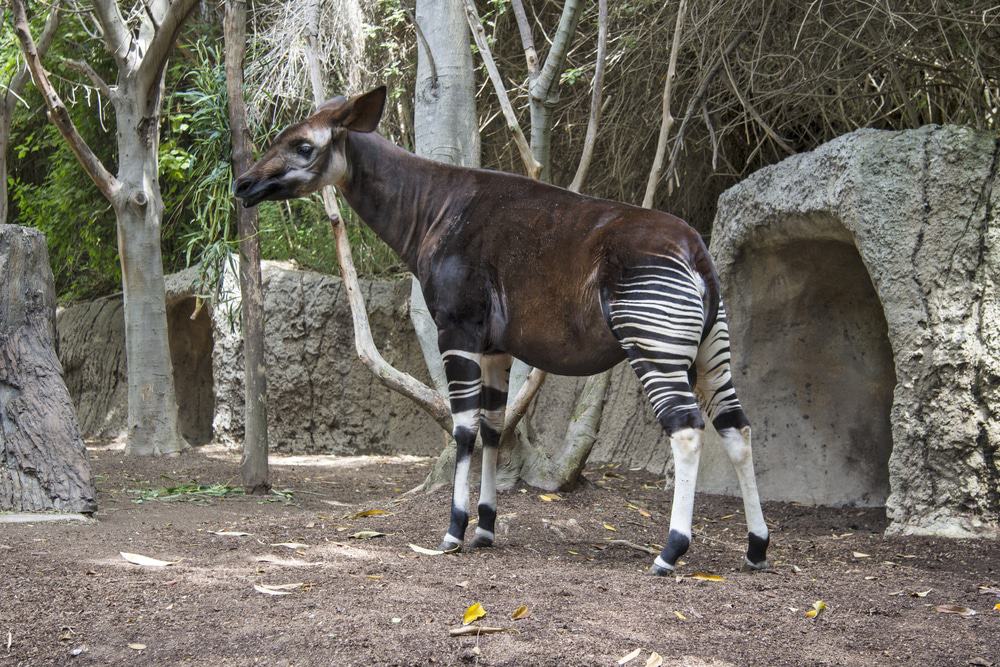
{"x":310,"y":154}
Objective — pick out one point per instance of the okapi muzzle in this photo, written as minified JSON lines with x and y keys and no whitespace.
{"x":310,"y":155}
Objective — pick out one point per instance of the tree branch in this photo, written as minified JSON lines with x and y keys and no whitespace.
{"x":667,"y":118}
{"x":556,"y":57}
{"x":427,"y":49}
{"x":697,"y":99}
{"x":531,"y":166}
{"x":44,"y":40}
{"x":517,"y":409}
{"x":527,"y":41}
{"x":164,"y":38}
{"x":429,"y":400}
{"x":595,"y":98}
{"x":95,"y":78}
{"x":116,"y":33}
{"x":103,"y":179}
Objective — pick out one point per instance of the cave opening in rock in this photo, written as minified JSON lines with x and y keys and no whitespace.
{"x":191,"y":342}
{"x":815,"y":371}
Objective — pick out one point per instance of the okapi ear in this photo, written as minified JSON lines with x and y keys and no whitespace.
{"x":363,"y":112}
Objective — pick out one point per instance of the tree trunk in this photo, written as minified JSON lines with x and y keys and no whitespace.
{"x":43,"y":463}
{"x":152,"y":404}
{"x":4,"y":145}
{"x":253,"y":467}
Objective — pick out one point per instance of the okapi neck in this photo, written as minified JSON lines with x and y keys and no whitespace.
{"x":393,"y":192}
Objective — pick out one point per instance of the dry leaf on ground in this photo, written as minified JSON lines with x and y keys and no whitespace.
{"x":654,"y":660}
{"x":366,"y":535}
{"x":291,"y":545}
{"x":474,"y":630}
{"x":277,"y":589}
{"x":427,"y":552}
{"x":707,"y":576}
{"x":137,"y":647}
{"x":680,"y":616}
{"x":229,"y":533}
{"x":520,"y":612}
{"x":625,"y":659}
{"x":818,"y":607}
{"x":858,"y":554}
{"x":473,"y":613}
{"x":920,"y":594}
{"x":146,"y":561}
{"x":608,"y":526}
{"x":365,"y":513}
{"x":549,"y":497}
{"x":955,"y":609}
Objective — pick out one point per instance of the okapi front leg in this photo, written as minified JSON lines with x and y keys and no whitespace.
{"x":464,"y":384}
{"x":496,"y":368}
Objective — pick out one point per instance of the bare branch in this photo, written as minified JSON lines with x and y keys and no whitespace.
{"x":527,"y":41}
{"x":697,"y":99}
{"x":531,"y":166}
{"x":164,"y":38}
{"x":103,"y":179}
{"x":44,"y":40}
{"x":429,"y":400}
{"x":667,"y":118}
{"x":116,"y":32}
{"x":517,"y":409}
{"x":556,"y":57}
{"x":595,"y":98}
{"x":95,"y":78}
{"x":753,"y":112}
{"x":427,"y":48}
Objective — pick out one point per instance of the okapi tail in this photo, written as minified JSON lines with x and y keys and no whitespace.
{"x":713,"y":289}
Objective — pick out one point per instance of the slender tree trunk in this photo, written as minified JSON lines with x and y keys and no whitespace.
{"x":254,"y":466}
{"x":152,"y":405}
{"x":4,"y":145}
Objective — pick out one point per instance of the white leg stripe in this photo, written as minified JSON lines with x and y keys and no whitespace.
{"x":451,"y":538}
{"x":485,"y":533}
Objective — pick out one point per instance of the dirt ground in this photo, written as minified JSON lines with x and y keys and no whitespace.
{"x":68,"y":597}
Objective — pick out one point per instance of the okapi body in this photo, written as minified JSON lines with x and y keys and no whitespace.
{"x":512,"y":267}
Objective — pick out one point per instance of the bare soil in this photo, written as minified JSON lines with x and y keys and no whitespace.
{"x":65,"y":590}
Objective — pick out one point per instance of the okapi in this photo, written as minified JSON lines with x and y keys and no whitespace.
{"x":512,"y":267}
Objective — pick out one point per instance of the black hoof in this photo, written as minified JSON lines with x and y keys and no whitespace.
{"x":658,"y":571}
{"x":749,"y":566}
{"x":450,"y":547}
{"x":480,"y":542}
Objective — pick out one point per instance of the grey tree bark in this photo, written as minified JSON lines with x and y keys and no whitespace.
{"x":140,"y":53}
{"x":254,"y":464}
{"x":445,"y":127}
{"x":10,"y":99}
{"x":43,"y":462}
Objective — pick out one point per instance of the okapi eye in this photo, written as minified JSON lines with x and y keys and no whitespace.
{"x":305,"y":150}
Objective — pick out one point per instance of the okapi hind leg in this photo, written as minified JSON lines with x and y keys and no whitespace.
{"x":656,"y":312}
{"x":723,"y":409}
{"x":496,"y":369}
{"x":464,"y":376}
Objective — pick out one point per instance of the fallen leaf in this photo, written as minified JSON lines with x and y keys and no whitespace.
{"x":965,"y":612}
{"x":396,"y":619}
{"x":608,"y":526}
{"x":625,"y":659}
{"x":520,"y":612}
{"x":645,"y":513}
{"x":277,"y":589}
{"x":79,"y":650}
{"x":374,"y":577}
{"x":463,"y":584}
{"x":870,"y":578}
{"x":425,"y":551}
{"x":996,"y":607}
{"x":920,"y":594}
{"x":680,"y":616}
{"x":229,"y":533}
{"x":137,"y":647}
{"x":549,"y":497}
{"x":291,"y":545}
{"x":654,"y":660}
{"x":364,"y":513}
{"x":474,"y":630}
{"x":336,"y":503}
{"x":146,"y":561}
{"x":818,"y":607}
{"x":473,"y":613}
{"x":707,"y":576}
{"x":366,"y":535}
{"x":989,"y":590}
{"x":858,"y":554}
{"x":980,"y":662}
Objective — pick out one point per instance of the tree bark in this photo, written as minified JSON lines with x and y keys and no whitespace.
{"x":254,"y":464}
{"x":43,"y":462}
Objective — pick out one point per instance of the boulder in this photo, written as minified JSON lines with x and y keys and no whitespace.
{"x":861,"y":281}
